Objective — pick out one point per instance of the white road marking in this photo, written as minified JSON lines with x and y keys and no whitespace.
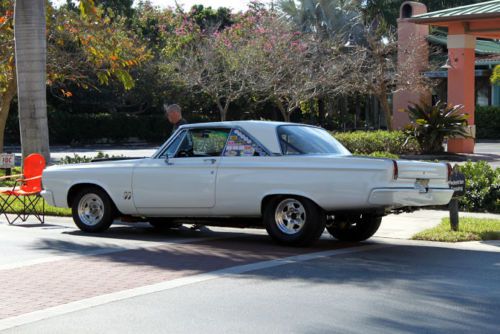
{"x":172,"y":284}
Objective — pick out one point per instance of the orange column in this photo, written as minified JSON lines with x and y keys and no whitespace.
{"x":461,"y":81}
{"x":413,"y":58}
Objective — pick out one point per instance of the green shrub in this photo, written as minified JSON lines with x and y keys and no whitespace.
{"x":384,"y":155}
{"x":482,"y":192}
{"x":487,"y":122}
{"x":387,"y":155}
{"x":77,"y":159}
{"x":368,"y":142}
{"x":431,"y":124}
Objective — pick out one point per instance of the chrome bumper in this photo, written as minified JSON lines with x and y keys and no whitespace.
{"x":399,"y":197}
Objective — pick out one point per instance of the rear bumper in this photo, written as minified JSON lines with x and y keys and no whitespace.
{"x":48,"y":196}
{"x":399,"y":197}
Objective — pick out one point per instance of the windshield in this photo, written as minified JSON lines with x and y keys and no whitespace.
{"x":296,"y":140}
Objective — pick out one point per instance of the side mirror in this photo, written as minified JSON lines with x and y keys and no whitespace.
{"x":167,"y":159}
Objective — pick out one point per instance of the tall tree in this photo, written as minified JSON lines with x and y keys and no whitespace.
{"x":216,"y":66}
{"x":326,"y":18}
{"x":31,"y":60}
{"x":302,"y":72}
{"x":8,"y":81}
{"x":84,"y":51}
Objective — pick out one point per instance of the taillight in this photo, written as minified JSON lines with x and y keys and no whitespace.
{"x":395,"y":172}
{"x":450,"y":170}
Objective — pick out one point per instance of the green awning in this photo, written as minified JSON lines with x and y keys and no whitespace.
{"x":482,"y":9}
{"x":483,"y":47}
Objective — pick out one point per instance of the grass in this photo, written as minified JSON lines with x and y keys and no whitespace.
{"x":469,"y":229}
{"x":49,"y":210}
{"x":9,"y":182}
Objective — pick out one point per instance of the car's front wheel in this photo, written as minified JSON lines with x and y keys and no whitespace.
{"x":356,"y":227}
{"x":92,"y":210}
{"x":295,"y":221}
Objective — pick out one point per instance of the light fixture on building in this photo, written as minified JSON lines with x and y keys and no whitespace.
{"x":448,"y":64}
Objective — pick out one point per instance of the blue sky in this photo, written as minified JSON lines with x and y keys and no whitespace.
{"x":235,"y":5}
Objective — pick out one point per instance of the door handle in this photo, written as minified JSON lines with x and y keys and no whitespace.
{"x":212,"y":161}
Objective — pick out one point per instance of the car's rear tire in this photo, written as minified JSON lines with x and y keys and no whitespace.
{"x":293,"y":220}
{"x":93,"y":210}
{"x":357,"y":227}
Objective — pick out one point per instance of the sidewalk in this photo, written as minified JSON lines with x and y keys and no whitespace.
{"x":405,"y":225}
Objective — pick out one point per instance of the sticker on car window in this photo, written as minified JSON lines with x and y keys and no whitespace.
{"x":240,"y":145}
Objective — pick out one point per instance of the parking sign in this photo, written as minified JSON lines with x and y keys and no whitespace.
{"x":7,"y":160}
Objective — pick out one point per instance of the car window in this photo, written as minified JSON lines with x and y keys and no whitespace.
{"x":240,"y":144}
{"x":203,"y":143}
{"x":296,"y":140}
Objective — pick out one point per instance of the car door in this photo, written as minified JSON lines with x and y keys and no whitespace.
{"x":183,"y":176}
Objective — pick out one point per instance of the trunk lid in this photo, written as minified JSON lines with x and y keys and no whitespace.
{"x":421,"y":170}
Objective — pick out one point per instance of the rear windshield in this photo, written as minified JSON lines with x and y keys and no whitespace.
{"x":297,"y":140}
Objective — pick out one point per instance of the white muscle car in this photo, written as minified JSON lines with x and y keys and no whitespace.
{"x":293,"y":179}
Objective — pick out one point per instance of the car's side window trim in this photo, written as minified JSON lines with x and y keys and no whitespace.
{"x":182,"y":132}
{"x":171,"y":141}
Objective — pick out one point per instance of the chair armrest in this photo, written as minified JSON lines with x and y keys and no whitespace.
{"x":30,"y":179}
{"x":10,"y":176}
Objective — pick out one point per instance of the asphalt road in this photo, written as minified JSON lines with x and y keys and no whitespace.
{"x":405,"y":289}
{"x":133,"y":279}
{"x":488,"y":147}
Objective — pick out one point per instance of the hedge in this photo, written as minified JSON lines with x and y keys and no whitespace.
{"x":487,"y":121}
{"x":78,"y":129}
{"x":368,"y":142}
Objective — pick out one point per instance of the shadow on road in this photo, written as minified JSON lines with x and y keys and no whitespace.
{"x":432,"y":276}
{"x":464,"y":284}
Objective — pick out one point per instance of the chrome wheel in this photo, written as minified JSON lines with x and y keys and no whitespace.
{"x":290,"y":216}
{"x":91,"y":209}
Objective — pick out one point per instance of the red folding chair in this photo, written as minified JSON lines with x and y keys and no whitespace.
{"x":26,"y":190}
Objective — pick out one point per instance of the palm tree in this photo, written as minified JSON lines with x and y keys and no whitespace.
{"x":333,"y":21}
{"x":327,"y":18}
{"x":31,"y":54}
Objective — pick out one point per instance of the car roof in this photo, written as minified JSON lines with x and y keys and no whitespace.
{"x":263,"y":131}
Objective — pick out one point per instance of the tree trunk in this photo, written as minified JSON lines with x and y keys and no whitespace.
{"x":382,"y":97}
{"x":226,"y":108}
{"x":387,"y":111}
{"x":281,"y":107}
{"x":5,"y":101}
{"x":31,"y":59}
{"x":321,"y":111}
{"x":222,"y":112}
{"x":357,"y":114}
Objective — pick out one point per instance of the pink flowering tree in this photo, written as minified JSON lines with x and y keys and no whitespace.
{"x":292,"y":67}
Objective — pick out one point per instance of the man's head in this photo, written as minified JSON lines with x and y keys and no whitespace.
{"x":173,"y":113}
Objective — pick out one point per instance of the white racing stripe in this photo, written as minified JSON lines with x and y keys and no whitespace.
{"x":172,"y":284}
